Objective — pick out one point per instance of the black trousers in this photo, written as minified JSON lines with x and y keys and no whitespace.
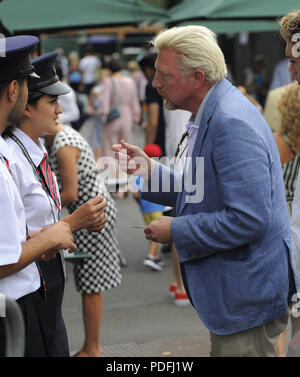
{"x":45,"y":331}
{"x":35,"y":345}
{"x":2,"y":337}
{"x":49,"y":311}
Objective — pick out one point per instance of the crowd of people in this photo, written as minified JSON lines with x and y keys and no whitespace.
{"x":230,"y":215}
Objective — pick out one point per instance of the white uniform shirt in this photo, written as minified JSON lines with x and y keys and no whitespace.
{"x":13,"y":233}
{"x":40,"y":208}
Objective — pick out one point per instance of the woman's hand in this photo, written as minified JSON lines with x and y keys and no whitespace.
{"x":48,"y":255}
{"x":89,"y":215}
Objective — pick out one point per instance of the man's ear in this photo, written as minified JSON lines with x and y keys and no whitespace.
{"x":13,"y":90}
{"x":198,"y":78}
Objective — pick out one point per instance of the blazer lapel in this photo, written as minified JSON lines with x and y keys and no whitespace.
{"x":207,"y":114}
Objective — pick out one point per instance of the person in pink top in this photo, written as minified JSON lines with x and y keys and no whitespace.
{"x":127,"y":98}
{"x":118,"y":90}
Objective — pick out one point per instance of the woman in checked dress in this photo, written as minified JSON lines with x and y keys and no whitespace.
{"x":72,"y":160}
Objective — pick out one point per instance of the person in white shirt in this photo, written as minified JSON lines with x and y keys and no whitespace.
{"x":176,"y":121}
{"x":19,"y":249}
{"x":68,"y":102}
{"x":88,"y":66}
{"x":40,"y":193}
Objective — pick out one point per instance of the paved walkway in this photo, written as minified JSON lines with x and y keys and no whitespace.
{"x":181,"y":347}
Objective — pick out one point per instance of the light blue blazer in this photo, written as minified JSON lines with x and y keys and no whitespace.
{"x":234,"y":245}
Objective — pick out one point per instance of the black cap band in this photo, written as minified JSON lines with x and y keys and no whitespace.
{"x":17,"y":69}
{"x":35,"y":85}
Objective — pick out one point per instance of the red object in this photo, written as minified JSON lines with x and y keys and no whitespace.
{"x":172,"y":290}
{"x":181,"y":299}
{"x":153,"y":150}
{"x":7,"y":164}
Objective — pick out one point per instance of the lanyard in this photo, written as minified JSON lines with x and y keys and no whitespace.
{"x":39,"y":178}
{"x":183,"y":137}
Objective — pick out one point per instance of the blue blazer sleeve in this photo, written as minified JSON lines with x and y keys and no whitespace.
{"x":163,"y":186}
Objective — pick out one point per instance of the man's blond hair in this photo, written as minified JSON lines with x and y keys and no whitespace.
{"x":197,"y":48}
{"x":289,"y":25}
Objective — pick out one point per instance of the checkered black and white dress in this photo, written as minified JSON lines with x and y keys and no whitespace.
{"x":102,"y":271}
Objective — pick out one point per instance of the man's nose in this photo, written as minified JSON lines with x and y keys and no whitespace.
{"x":155,"y":82}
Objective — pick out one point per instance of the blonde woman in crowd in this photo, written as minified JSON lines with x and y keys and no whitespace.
{"x":288,"y":138}
{"x":288,"y":142}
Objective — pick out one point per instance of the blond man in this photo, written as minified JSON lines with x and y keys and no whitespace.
{"x":231,"y":228}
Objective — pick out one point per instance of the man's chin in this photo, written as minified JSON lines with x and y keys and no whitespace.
{"x":14,"y":118}
{"x":170,"y":105}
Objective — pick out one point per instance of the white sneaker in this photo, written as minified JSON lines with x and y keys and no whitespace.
{"x":155,"y":264}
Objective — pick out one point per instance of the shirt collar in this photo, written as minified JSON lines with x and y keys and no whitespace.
{"x":36,"y":151}
{"x":4,"y":150}
{"x":196,"y":120}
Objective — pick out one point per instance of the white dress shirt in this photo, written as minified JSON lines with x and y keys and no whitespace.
{"x":13,"y":233}
{"x":40,"y":208}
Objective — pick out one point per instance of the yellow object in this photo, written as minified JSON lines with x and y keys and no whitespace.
{"x":151,"y":216}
